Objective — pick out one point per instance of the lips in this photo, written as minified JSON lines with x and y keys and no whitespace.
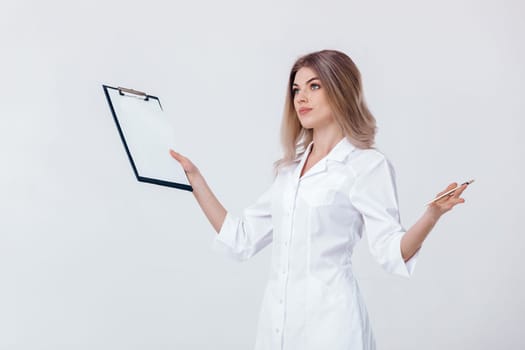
{"x":304,"y":110}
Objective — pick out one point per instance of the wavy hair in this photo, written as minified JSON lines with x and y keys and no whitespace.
{"x":342,"y":82}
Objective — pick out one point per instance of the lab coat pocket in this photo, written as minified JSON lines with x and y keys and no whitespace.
{"x":322,"y":190}
{"x":329,"y":312}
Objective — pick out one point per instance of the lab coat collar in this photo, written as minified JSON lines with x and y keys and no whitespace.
{"x":341,"y":150}
{"x":339,"y":153}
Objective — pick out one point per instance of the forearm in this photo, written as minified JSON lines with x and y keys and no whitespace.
{"x":209,"y":204}
{"x":414,"y":237}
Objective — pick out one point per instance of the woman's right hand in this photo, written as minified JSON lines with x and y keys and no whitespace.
{"x":189,"y":168}
{"x":211,"y":206}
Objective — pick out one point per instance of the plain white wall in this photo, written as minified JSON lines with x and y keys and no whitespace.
{"x":91,"y":258}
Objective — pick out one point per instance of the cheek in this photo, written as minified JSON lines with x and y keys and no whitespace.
{"x":326,"y":112}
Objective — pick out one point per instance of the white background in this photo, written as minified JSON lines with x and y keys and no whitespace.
{"x":92,"y":259}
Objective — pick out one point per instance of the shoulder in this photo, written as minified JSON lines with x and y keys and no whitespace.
{"x":362,"y":161}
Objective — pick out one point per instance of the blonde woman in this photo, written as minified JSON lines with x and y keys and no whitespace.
{"x":330,"y":187}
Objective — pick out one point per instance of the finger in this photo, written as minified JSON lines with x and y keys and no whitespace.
{"x":459,"y":191}
{"x":449,"y":187}
{"x":175,"y":155}
{"x":456,"y":202}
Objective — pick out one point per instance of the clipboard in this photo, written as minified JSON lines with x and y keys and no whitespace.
{"x":147,"y":136}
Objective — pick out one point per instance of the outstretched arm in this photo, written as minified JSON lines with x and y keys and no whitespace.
{"x":414,"y":237}
{"x":211,"y":206}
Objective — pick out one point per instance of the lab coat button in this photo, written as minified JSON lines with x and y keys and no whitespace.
{"x":276,"y":330}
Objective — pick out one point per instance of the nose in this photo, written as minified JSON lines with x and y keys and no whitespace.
{"x":301,"y":96}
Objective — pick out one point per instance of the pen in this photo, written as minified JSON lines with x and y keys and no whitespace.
{"x":450,"y":192}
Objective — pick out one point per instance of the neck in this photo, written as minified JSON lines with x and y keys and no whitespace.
{"x":324,"y":140}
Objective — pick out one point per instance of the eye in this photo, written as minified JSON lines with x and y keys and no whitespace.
{"x":315,"y":86}
{"x":295,"y":91}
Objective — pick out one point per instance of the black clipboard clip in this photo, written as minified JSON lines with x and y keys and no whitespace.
{"x":133,"y":93}
{"x":137,"y":94}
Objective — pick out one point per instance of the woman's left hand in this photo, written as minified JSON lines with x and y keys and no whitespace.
{"x":446,"y":203}
{"x":414,"y":237}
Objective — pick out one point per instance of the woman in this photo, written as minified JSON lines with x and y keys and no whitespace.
{"x":316,"y":209}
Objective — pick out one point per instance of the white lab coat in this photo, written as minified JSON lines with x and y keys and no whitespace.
{"x":312,"y":300}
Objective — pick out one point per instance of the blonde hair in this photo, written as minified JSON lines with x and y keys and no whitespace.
{"x":342,"y":82}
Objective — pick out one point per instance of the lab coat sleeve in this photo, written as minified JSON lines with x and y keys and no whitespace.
{"x":243,"y":237}
{"x":374,"y":195}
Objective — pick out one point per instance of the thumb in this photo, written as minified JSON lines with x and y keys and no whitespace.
{"x":174,"y":154}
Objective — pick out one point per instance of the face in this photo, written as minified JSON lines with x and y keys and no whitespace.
{"x":310,"y":101}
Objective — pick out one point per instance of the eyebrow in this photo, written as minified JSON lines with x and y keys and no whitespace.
{"x":309,"y":80}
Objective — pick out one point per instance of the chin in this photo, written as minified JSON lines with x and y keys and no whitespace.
{"x":316,"y":123}
{"x":309,"y":125}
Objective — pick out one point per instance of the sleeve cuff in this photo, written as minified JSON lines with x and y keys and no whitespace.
{"x":224,"y":241}
{"x":398,"y":266}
